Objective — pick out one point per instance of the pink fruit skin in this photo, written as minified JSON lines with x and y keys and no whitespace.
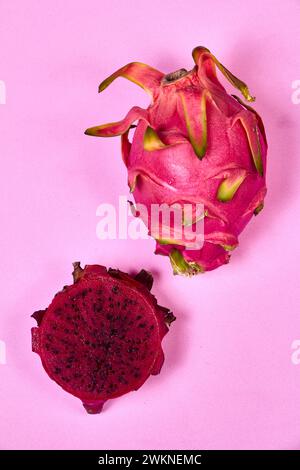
{"x":209,"y":147}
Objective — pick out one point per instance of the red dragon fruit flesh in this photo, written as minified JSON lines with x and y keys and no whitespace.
{"x":101,"y":336}
{"x":194,"y":144}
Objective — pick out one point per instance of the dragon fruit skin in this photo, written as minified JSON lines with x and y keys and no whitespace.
{"x":194,"y":144}
{"x":101,"y":337}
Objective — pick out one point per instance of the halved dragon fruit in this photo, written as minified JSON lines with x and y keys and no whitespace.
{"x":101,"y":337}
{"x":194,"y":144}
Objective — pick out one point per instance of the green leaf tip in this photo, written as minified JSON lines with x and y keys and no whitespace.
{"x":259,"y":208}
{"x":152,"y":140}
{"x":199,"y":53}
{"x":229,"y":187}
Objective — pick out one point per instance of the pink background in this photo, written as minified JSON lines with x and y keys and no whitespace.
{"x":228,"y":380}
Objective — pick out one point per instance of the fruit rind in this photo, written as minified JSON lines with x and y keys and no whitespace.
{"x":101,"y":336}
{"x":198,"y":144}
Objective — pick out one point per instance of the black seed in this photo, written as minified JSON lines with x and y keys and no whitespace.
{"x":115,"y":289}
{"x":121,"y":380}
{"x":91,"y":386}
{"x":106,"y":345}
{"x":57,"y":370}
{"x":103,"y":376}
{"x":142,"y":325}
{"x":112,"y":387}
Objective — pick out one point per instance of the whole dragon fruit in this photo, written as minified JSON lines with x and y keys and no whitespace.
{"x":101,"y":337}
{"x":194,"y":144}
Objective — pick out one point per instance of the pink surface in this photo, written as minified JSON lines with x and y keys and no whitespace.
{"x":228,"y":381}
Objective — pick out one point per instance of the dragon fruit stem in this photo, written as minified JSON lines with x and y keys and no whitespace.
{"x":93,"y":407}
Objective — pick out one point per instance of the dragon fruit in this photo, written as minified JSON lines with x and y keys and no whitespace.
{"x":194,"y":144}
{"x":101,"y":336}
